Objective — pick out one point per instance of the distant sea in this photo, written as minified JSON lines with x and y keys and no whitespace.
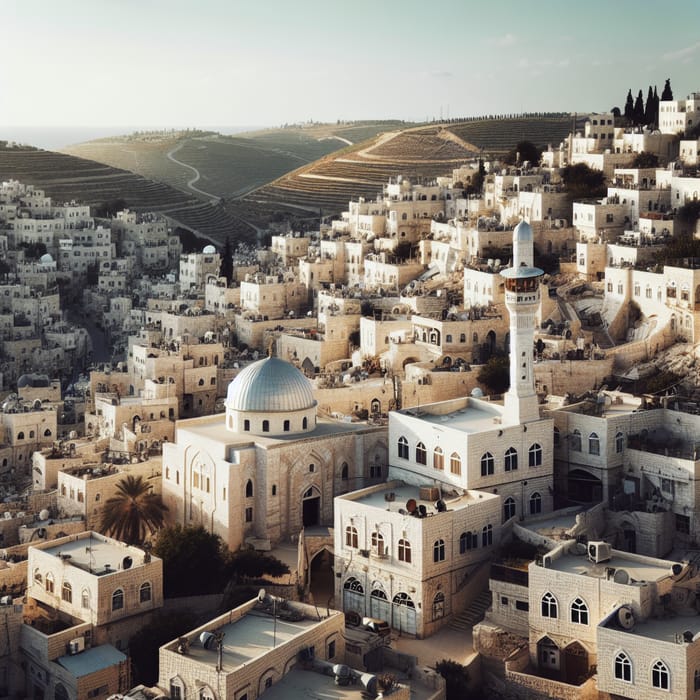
{"x":55,"y":137}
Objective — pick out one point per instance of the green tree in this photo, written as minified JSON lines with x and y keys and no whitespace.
{"x":645,"y":160}
{"x":144,"y":645}
{"x":227,"y":261}
{"x":109,"y":208}
{"x":667,"y":93}
{"x":133,"y":512}
{"x":649,"y":108}
{"x":249,"y":564}
{"x":194,"y":560}
{"x":638,"y":117}
{"x":524,"y":151}
{"x":629,"y":107}
{"x":495,"y":374}
{"x":582,"y":182}
{"x":456,"y":679}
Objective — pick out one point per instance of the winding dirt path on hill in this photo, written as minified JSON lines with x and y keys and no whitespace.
{"x":197,"y":176}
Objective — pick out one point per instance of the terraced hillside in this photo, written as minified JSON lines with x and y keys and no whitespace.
{"x":419,"y":152}
{"x":210,"y":165}
{"x":66,"y":177}
{"x":497,"y":136}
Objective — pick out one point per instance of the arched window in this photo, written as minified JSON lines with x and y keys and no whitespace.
{"x":344,"y":472}
{"x":421,"y":454}
{"x":697,"y":680}
{"x":438,"y":459}
{"x":67,"y":592}
{"x":619,"y":442}
{"x":37,"y":576}
{"x":535,"y":503}
{"x":439,"y":550}
{"x":467,"y":541}
{"x":85,"y":599}
{"x":508,"y":508}
{"x":486,"y":464}
{"x":117,"y":599}
{"x":351,"y":539}
{"x":511,"y":459}
{"x":549,"y":605}
{"x":60,"y":692}
{"x":246,"y":425}
{"x":403,"y":447}
{"x":576,"y":440}
{"x":579,"y":612}
{"x":593,"y":444}
{"x":534,"y":455}
{"x":20,"y":435}
{"x":438,"y":605}
{"x":286,"y":426}
{"x":405,"y":551}
{"x":249,"y":489}
{"x":352,"y":584}
{"x":487,"y":535}
{"x":455,"y":464}
{"x":378,"y":543}
{"x":145,"y":592}
{"x":660,"y":675}
{"x":304,"y":423}
{"x":266,"y":426}
{"x":49,"y":583}
{"x":205,"y":693}
{"x":47,"y":432}
{"x":622,"y":667}
{"x":177,"y":689}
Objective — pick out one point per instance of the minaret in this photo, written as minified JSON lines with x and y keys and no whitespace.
{"x":522,"y":301}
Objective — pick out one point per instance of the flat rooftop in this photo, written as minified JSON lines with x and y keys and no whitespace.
{"x":638,"y":570}
{"x":299,"y":684}
{"x":405,"y":492}
{"x":467,"y":415}
{"x":665,"y":629}
{"x":214,"y":428}
{"x":96,"y":554}
{"x":253,"y":635}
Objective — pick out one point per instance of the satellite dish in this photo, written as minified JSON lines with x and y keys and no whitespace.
{"x":676,"y":569}
{"x":625,"y":617}
{"x":127,"y":562}
{"x":403,"y":511}
{"x":422,"y":510}
{"x":261,"y":595}
{"x":440,"y":506}
{"x":207,"y":639}
{"x":688,"y":635}
{"x":411,"y":505}
{"x":621,"y":576}
{"x":44,"y":514}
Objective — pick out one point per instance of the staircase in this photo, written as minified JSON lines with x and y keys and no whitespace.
{"x":473,"y":614}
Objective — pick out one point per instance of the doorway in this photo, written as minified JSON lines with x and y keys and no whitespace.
{"x":311,"y":507}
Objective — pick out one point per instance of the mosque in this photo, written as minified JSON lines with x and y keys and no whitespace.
{"x":269,"y":466}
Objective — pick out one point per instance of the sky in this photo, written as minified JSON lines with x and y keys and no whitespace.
{"x":106,"y":64}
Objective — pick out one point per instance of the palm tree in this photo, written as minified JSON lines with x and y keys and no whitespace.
{"x":133,"y":512}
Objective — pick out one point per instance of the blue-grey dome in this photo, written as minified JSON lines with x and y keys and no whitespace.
{"x":270,"y":385}
{"x":523,"y":232}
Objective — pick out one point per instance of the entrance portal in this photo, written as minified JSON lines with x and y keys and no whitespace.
{"x":311,"y":507}
{"x":321,"y":584}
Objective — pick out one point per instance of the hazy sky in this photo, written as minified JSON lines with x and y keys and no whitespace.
{"x":227,"y":62}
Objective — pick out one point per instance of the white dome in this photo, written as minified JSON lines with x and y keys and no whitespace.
{"x":209,"y":249}
{"x":270,"y":385}
{"x":46,"y":258}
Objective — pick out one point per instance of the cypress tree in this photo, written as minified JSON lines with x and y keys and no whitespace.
{"x":667,"y":94}
{"x":638,"y":116}
{"x":656,"y":108}
{"x":227,"y":261}
{"x":649,"y":108}
{"x":629,"y":107}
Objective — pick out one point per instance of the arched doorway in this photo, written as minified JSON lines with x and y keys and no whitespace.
{"x":629,"y":536}
{"x":311,"y":507}
{"x":583,"y":487}
{"x":353,"y":596}
{"x":549,"y":657}
{"x":575,"y":663}
{"x":308,"y":367}
{"x":321,"y":583}
{"x":379,"y":605}
{"x":404,"y":613}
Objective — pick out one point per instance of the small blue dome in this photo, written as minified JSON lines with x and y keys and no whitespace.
{"x":270,"y":385}
{"x":523,"y":232}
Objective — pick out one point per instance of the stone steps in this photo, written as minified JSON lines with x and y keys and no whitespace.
{"x":473,"y":614}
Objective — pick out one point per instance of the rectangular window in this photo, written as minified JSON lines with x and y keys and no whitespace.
{"x":249,"y":515}
{"x":331,"y":649}
{"x":683,"y":524}
{"x":522,"y":605}
{"x":504,"y":600}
